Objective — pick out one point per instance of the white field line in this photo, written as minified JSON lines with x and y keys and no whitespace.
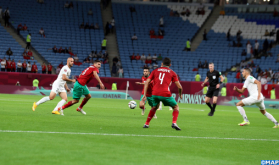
{"x":135,"y":135}
{"x":192,"y":109}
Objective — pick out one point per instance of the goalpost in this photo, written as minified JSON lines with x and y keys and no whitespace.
{"x":127,"y":89}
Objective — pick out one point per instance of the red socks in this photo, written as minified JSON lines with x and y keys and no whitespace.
{"x":84,"y":101}
{"x":150,"y":115}
{"x":67,"y":105}
{"x":175,"y":115}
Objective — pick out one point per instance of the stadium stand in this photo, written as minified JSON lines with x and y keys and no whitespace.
{"x":7,"y":42}
{"x":61,"y":28}
{"x":177,"y":31}
{"x":253,"y":26}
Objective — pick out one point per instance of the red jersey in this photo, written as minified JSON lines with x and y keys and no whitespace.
{"x":34,"y":68}
{"x":43,"y":67}
{"x":149,"y":90}
{"x":162,"y":77}
{"x":87,"y":75}
{"x":30,"y":54}
{"x":150,"y":87}
{"x":143,"y":79}
{"x":13,"y":65}
{"x":8,"y":65}
{"x":24,"y":65}
{"x":49,"y":67}
{"x":60,"y":66}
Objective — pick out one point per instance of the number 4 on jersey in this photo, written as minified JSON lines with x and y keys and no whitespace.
{"x":161,"y":78}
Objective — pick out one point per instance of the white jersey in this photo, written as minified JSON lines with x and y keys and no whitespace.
{"x":65,"y":70}
{"x":252,"y":87}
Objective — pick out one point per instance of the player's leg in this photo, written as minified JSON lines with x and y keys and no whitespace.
{"x":151,"y":112}
{"x":207,"y":101}
{"x":170,"y":101}
{"x":215,"y":98}
{"x":64,"y":98}
{"x":160,"y":106}
{"x":69,"y":104}
{"x":211,"y":113}
{"x":268,"y":115}
{"x":241,"y":110}
{"x":150,"y":103}
{"x":44,"y":99}
{"x":84,"y":101}
{"x":77,"y":93}
{"x":142,"y":105}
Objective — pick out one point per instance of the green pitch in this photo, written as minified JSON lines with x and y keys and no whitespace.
{"x":111,"y":133}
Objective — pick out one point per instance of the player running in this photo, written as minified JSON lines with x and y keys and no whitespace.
{"x":255,"y":98}
{"x":213,"y":90}
{"x":146,"y":73}
{"x":162,"y":77}
{"x":59,"y":86}
{"x":80,"y":87}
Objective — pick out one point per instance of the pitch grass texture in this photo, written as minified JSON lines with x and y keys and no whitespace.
{"x":113,"y":134}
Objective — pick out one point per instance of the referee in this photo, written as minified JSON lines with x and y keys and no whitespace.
{"x":213,"y":90}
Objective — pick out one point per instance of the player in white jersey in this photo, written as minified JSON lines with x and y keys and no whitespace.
{"x":59,"y":86}
{"x":255,"y":97}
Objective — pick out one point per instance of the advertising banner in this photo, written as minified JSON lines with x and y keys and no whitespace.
{"x":196,"y":98}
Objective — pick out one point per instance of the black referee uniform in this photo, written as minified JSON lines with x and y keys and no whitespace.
{"x":213,"y":81}
{"x":213,"y":78}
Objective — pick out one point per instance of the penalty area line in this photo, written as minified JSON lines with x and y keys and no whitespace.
{"x":135,"y":135}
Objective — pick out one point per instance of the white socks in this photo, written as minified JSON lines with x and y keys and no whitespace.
{"x":60,"y":104}
{"x":270,"y":117}
{"x":160,"y":107}
{"x":242,"y":112}
{"x":44,"y":99}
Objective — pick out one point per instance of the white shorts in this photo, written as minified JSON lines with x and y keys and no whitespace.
{"x":253,"y":101}
{"x":56,"y":88}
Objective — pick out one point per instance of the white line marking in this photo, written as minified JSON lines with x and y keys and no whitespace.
{"x":134,"y":135}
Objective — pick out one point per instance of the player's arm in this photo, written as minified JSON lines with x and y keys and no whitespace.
{"x":98,"y":79}
{"x":66,"y":87}
{"x":221,"y":81}
{"x":139,"y":83}
{"x":239,"y":90}
{"x":259,"y":84}
{"x":65,"y":78}
{"x":177,"y":83}
{"x":206,"y":79}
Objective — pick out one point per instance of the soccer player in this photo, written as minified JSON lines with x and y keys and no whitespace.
{"x":59,"y":86}
{"x":213,"y":90}
{"x":146,"y":73}
{"x":162,"y":77}
{"x":255,"y":98}
{"x":80,"y":87}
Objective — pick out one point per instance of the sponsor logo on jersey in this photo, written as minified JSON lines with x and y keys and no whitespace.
{"x":214,"y":77}
{"x":65,"y":70}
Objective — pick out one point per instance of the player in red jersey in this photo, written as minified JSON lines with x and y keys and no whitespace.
{"x":162,"y":77}
{"x":146,"y":73}
{"x":80,"y":87}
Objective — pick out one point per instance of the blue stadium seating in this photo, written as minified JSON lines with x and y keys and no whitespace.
{"x":145,"y":18}
{"x":8,"y":41}
{"x":61,"y":27}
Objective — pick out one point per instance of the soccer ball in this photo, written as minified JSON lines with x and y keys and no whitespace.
{"x":132,"y":104}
